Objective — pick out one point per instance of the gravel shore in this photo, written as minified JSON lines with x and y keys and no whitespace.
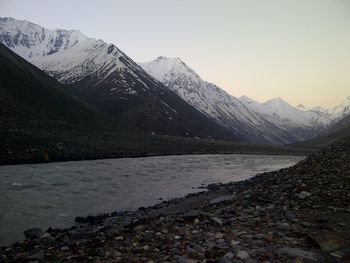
{"x":298,"y":214}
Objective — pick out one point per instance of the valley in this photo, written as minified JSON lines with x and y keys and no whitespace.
{"x":105,"y":159}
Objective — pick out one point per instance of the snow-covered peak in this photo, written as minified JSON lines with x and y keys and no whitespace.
{"x":278,"y":106}
{"x":342,"y":109}
{"x":30,"y":40}
{"x":283,"y":110}
{"x":277,"y":102}
{"x":86,"y":57}
{"x":167,"y":69}
{"x":205,"y":96}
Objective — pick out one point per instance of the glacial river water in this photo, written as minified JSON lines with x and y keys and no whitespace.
{"x":53,"y":194}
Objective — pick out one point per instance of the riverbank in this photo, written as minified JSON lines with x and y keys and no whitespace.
{"x":298,"y":214}
{"x":109,"y":145}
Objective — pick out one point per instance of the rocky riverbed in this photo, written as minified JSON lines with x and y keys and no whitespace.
{"x":298,"y":214}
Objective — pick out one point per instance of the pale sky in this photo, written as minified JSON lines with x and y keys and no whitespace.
{"x":298,"y":50}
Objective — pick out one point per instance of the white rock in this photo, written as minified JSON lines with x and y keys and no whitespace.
{"x":242,"y":255}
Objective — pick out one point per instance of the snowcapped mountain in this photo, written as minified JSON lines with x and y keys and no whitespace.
{"x":234,"y":113}
{"x":300,"y":115}
{"x":341,"y":110}
{"x":205,"y":96}
{"x":164,"y":96}
{"x":30,"y":40}
{"x":87,"y":57}
{"x":276,"y":120}
{"x":297,"y":118}
{"x":103,"y":76}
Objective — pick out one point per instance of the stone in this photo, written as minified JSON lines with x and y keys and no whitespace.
{"x":243,"y":255}
{"x":146,"y":247}
{"x":33,"y":233}
{"x":64,"y":248}
{"x":80,"y":219}
{"x":37,"y":256}
{"x":191,"y":215}
{"x":303,"y":195}
{"x":327,"y":241}
{"x":219,"y":235}
{"x":221,"y":199}
{"x":46,"y":235}
{"x":220,"y":241}
{"x":213,"y":187}
{"x":235,"y":243}
{"x":229,"y":255}
{"x":91,"y":219}
{"x":117,"y":254}
{"x":296,"y":253}
{"x":227,"y":258}
{"x":337,"y":254}
{"x":216,"y":221}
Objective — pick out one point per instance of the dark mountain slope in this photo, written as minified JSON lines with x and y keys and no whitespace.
{"x":27,"y":91}
{"x":337,"y":131}
{"x":37,"y":115}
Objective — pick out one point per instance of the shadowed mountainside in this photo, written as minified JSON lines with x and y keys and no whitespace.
{"x":339,"y":130}
{"x":41,"y":121}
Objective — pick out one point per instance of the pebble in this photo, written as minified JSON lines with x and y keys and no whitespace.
{"x":64,"y":248}
{"x":217,"y":221}
{"x":242,"y":255}
{"x":303,"y":195}
{"x":33,"y":233}
{"x":297,"y":253}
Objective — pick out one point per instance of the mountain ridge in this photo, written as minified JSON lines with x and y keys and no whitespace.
{"x":293,"y":125}
{"x":143,"y":98}
{"x":30,"y":40}
{"x":102,"y":75}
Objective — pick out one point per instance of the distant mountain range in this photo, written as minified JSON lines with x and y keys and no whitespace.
{"x":275,"y":120}
{"x":164,"y":96}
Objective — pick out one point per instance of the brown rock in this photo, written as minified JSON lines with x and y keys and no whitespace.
{"x":327,"y":241}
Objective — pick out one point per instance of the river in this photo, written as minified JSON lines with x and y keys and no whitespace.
{"x":53,"y":194}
